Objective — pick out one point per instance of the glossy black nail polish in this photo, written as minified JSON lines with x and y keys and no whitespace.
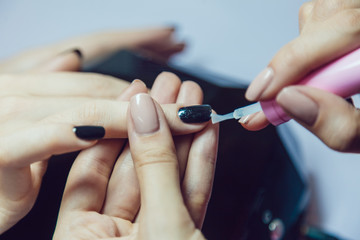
{"x":78,"y":52}
{"x":75,"y":51}
{"x":89,"y":132}
{"x":195,"y":114}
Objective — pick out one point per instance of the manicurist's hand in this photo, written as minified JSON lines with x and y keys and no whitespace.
{"x":168,"y":209}
{"x":328,"y":30}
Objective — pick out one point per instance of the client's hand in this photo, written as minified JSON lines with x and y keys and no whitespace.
{"x":38,"y":119}
{"x":328,"y":30}
{"x":165,"y":211}
{"x":123,"y":193}
{"x":158,"y":42}
{"x":27,"y":142}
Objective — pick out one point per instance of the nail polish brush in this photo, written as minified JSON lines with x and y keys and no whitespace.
{"x":341,"y":77}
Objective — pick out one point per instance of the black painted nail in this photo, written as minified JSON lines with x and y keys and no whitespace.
{"x":195,"y":114}
{"x":75,"y":51}
{"x":89,"y":132}
{"x":79,"y":53}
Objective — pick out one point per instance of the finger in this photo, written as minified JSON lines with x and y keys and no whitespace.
{"x":123,"y":197}
{"x":155,"y":162}
{"x":112,"y":115}
{"x":306,"y":53}
{"x":166,"y":88}
{"x":190,"y":94}
{"x":331,"y":118}
{"x":305,"y":13}
{"x":46,"y":140}
{"x":254,"y":122}
{"x":38,"y":143}
{"x":200,"y":170}
{"x":63,"y":85}
{"x":66,"y":61}
{"x":93,"y":46}
{"x":87,"y":182}
{"x":84,"y":182}
{"x":123,"y":194}
{"x":23,"y":111}
{"x":20,"y":182}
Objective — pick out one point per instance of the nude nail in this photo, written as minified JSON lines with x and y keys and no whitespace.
{"x":143,"y":113}
{"x":259,"y":84}
{"x":300,"y":106}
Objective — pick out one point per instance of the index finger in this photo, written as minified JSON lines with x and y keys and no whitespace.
{"x":112,"y":116}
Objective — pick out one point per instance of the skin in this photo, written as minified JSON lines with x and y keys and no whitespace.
{"x":40,"y":105}
{"x":98,"y":204}
{"x":328,"y":30}
{"x":157,"y":42}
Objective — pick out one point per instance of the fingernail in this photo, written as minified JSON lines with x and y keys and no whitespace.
{"x":297,"y":104}
{"x":143,"y":113}
{"x":76,"y":51}
{"x":89,"y":132}
{"x":259,"y":84}
{"x":244,"y":119}
{"x":195,"y":114}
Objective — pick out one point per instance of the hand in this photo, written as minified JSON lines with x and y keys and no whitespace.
{"x":44,"y":116}
{"x":87,"y":201}
{"x":123,"y":193}
{"x":328,"y":30}
{"x":157,"y":42}
{"x":48,"y":105}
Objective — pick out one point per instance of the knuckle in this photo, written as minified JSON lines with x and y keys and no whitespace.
{"x":100,"y":83}
{"x":350,"y":20}
{"x":93,"y":112}
{"x":155,"y":155}
{"x":96,"y":163}
{"x":294,"y":54}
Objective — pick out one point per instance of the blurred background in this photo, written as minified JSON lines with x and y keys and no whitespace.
{"x":227,"y":41}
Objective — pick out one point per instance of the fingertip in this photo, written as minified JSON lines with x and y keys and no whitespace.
{"x":69,"y":60}
{"x":259,"y":84}
{"x":190,"y":93}
{"x":254,"y":122}
{"x":135,"y":87}
{"x":166,"y":87}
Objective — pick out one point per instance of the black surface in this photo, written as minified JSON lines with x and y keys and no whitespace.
{"x":253,"y":174}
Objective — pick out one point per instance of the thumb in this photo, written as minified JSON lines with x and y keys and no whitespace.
{"x":153,"y":152}
{"x":70,"y":60}
{"x":331,"y":118}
